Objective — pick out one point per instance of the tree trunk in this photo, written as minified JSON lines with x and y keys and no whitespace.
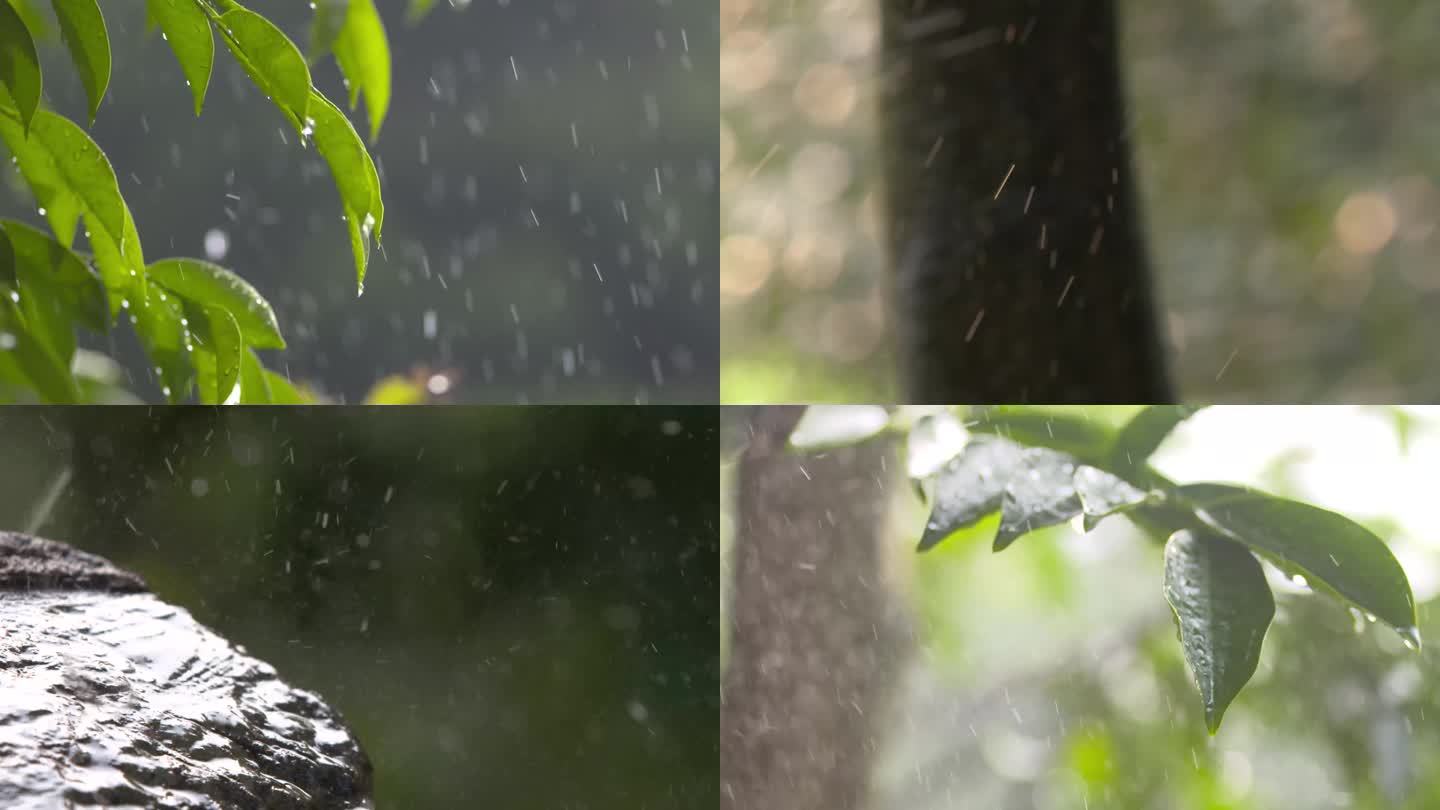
{"x":817,"y":635}
{"x":1019,"y":271}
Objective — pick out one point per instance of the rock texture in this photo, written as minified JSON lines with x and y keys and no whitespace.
{"x":111,"y":698}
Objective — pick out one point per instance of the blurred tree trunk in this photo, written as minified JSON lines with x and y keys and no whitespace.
{"x":818,"y":636}
{"x":1019,"y":269}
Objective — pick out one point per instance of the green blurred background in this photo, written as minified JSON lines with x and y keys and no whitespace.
{"x":1049,"y":677}
{"x":1287,"y":153}
{"x":511,"y":607}
{"x":550,"y":180}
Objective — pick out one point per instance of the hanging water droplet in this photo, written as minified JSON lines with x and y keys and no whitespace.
{"x":1359,"y":620}
{"x":1410,"y":637}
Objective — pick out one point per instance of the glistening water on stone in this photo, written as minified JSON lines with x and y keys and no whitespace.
{"x":110,"y":697}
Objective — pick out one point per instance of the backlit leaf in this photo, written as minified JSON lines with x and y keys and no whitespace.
{"x":213,"y":286}
{"x":364,"y":56}
{"x":82,"y":27}
{"x":272,"y":60}
{"x":19,"y":65}
{"x":187,"y":30}
{"x":355,"y":178}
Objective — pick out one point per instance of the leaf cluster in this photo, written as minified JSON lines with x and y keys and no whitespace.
{"x":199,"y":323}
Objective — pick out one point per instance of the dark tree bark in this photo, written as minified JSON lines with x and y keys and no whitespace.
{"x":817,"y":636}
{"x":1019,"y":270}
{"x":111,"y":698}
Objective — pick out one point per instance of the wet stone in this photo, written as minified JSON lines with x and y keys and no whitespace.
{"x":110,"y":697}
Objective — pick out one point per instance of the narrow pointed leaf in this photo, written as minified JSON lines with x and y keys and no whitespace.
{"x":838,"y":425}
{"x":1329,"y":549}
{"x":218,"y":353}
{"x":329,"y":19}
{"x":1223,"y":607}
{"x":1103,"y":494}
{"x":19,"y":65}
{"x":254,"y":386}
{"x":1144,"y":434}
{"x":213,"y":286}
{"x":970,"y":486}
{"x":69,"y":175}
{"x":355,"y":178}
{"x":57,"y":289}
{"x":82,"y":27}
{"x":187,"y":30}
{"x":364,"y":57}
{"x":1040,"y":493}
{"x":28,"y":361}
{"x":274,"y":63}
{"x":159,"y":320}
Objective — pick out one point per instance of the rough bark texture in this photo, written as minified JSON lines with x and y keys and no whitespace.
{"x":1019,"y":266}
{"x":817,"y":636}
{"x":110,"y":697}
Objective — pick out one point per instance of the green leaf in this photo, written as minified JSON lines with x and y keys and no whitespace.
{"x":1329,"y":550}
{"x":364,"y":57}
{"x":218,"y":353}
{"x":355,"y":178}
{"x":213,"y":286}
{"x":1083,"y":438}
{"x":254,"y":387}
{"x":329,"y":19}
{"x":160,"y":321}
{"x":1103,"y":494}
{"x":57,"y":289}
{"x":397,"y":390}
{"x":187,"y":29}
{"x":1222,"y":606}
{"x":418,"y":10}
{"x":970,"y":486}
{"x":837,"y":425}
{"x":272,"y":60}
{"x":282,"y":391}
{"x":28,"y":362}
{"x":1040,"y":493}
{"x":70,"y":175}
{"x":82,"y":27}
{"x":19,"y":65}
{"x":9,"y":275}
{"x":1144,"y":433}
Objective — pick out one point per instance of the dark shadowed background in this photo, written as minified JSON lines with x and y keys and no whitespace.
{"x":551,"y":190}
{"x":512,"y":607}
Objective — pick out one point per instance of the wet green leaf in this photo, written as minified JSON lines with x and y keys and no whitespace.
{"x":254,"y":386}
{"x":213,"y":286}
{"x":187,"y":30}
{"x":69,"y":175}
{"x":28,"y":362}
{"x":159,"y":320}
{"x":1103,"y":494}
{"x":217,"y":355}
{"x":364,"y":56}
{"x":1222,"y":606}
{"x":1040,"y":493}
{"x":1328,"y":549}
{"x":19,"y":65}
{"x":355,"y":178}
{"x":8,"y":273}
{"x":82,"y":27}
{"x":1144,"y":434}
{"x":272,"y":60}
{"x":838,"y":425}
{"x":57,"y":289}
{"x":970,"y":486}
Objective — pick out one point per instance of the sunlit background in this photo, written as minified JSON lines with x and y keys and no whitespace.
{"x":1048,"y":677}
{"x":550,"y":179}
{"x":1287,"y":156}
